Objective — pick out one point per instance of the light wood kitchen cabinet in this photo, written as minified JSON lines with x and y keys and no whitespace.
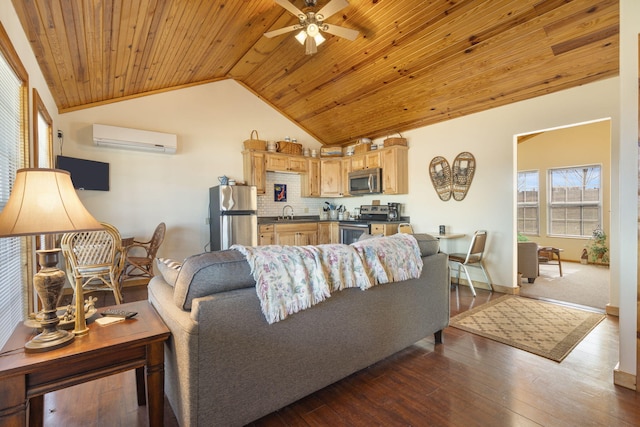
{"x":310,"y":181}
{"x":345,"y":168}
{"x":395,"y":166}
{"x":383,"y":228}
{"x":297,"y":234}
{"x":253,"y":165}
{"x":331,"y":178}
{"x":328,"y":232}
{"x":265,"y":234}
{"x":371,"y":159}
{"x":285,"y":163}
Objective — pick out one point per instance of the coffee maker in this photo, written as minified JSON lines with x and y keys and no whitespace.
{"x":393,"y":212}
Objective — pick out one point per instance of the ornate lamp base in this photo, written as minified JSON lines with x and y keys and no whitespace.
{"x":49,"y":341}
{"x":48,"y":283}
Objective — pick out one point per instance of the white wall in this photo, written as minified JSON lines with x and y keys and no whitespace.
{"x":211,"y":122}
{"x":489,"y":136}
{"x":149,"y":188}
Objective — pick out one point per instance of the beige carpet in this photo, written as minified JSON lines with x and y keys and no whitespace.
{"x":546,"y":329}
{"x":586,"y":285}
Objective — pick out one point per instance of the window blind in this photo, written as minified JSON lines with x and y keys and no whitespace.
{"x":11,"y":259}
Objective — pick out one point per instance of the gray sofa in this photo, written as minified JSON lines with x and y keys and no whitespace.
{"x":226,"y":366}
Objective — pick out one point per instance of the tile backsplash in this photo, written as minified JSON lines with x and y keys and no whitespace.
{"x":302,"y":206}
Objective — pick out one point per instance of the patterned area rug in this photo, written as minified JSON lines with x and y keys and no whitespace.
{"x":546,"y":329}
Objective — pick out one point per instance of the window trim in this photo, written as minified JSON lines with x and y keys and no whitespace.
{"x":39,"y":109}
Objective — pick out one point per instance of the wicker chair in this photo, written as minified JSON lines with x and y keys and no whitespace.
{"x":94,"y":259}
{"x":140,"y":255}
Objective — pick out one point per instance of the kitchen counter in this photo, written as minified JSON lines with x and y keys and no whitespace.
{"x":316,"y":218}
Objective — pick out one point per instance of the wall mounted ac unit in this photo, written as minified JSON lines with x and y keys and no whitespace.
{"x":134,"y":139}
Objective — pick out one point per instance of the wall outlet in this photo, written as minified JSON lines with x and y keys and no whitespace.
{"x":207,"y":221}
{"x":306,"y":210}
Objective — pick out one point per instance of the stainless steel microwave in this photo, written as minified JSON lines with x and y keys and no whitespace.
{"x":365,"y":181}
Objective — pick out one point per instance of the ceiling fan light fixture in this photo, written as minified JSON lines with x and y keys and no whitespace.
{"x":313,"y":30}
{"x":319,"y":39}
{"x":301,"y":37}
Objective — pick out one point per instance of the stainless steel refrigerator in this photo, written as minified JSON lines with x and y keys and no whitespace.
{"x":233,"y":216}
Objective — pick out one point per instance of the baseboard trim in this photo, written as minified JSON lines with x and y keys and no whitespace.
{"x":624,"y":379}
{"x":612,"y":310}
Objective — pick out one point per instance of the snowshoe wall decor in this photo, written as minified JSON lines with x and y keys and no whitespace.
{"x":441,"y":177}
{"x":457,"y":183}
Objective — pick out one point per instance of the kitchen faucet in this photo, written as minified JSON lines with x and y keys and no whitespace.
{"x":285,"y":208}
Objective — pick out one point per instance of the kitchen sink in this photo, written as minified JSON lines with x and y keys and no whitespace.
{"x":295,"y":220}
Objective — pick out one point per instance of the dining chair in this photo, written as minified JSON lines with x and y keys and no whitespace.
{"x":94,"y":260}
{"x":140,"y":255}
{"x":473,"y":258}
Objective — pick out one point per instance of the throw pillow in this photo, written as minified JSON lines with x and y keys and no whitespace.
{"x":209,"y":273}
{"x":169,"y":269}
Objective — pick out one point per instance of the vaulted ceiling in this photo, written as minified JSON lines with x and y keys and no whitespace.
{"x":414,"y":63}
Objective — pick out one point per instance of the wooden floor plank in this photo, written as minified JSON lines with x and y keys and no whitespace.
{"x":467,"y":381}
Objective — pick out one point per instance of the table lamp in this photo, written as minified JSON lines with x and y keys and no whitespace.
{"x":43,"y":201}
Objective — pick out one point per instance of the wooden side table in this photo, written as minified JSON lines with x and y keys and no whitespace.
{"x":135,"y":343}
{"x":547,"y":254}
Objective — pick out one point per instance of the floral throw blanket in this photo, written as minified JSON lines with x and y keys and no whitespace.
{"x":390,"y":259}
{"x":293,"y":278}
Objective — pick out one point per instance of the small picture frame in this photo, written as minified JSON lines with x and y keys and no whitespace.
{"x":279,"y":192}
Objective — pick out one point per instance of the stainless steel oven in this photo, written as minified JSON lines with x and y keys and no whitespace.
{"x":351,"y":231}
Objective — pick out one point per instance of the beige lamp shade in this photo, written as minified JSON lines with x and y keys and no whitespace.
{"x":44,"y":201}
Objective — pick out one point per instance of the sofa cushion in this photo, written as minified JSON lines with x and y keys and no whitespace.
{"x":428,"y":244}
{"x":209,"y":273}
{"x":169,"y":269}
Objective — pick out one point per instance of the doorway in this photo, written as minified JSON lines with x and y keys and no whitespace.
{"x":564,"y":195}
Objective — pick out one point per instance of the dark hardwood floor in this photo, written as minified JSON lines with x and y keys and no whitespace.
{"x":467,"y":381}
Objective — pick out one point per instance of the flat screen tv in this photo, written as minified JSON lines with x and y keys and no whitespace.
{"x":85,"y":174}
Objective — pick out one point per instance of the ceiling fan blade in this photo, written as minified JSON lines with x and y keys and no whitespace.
{"x":282,"y":31}
{"x":330,"y":8}
{"x":291,"y":8}
{"x":343,"y":32}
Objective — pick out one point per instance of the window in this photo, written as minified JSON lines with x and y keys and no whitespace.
{"x":42,"y":133}
{"x":574,"y":201}
{"x":15,"y":265}
{"x":529,"y":202}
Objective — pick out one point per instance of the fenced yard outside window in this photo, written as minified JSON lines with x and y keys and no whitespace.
{"x":575,"y":204}
{"x":529,"y":203}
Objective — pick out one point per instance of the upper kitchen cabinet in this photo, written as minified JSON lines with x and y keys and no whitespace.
{"x":310,"y":181}
{"x":331,"y":177}
{"x":346,"y":168}
{"x":285,"y":163}
{"x":367,"y":160}
{"x":395,"y":167}
{"x":254,"y":169}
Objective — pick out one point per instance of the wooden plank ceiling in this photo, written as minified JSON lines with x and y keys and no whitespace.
{"x":414,"y":63}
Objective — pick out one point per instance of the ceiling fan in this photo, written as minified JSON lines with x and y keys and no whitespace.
{"x":312,"y":24}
